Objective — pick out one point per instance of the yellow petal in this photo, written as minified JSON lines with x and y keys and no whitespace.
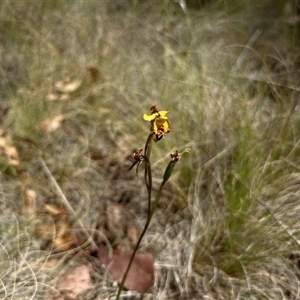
{"x":149,"y":117}
{"x":166,"y":126}
{"x":163,"y":114}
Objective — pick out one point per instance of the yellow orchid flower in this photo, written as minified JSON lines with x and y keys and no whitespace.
{"x":159,"y":122}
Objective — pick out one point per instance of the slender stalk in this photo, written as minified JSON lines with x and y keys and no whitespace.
{"x":148,"y":182}
{"x":155,"y":203}
{"x":148,"y":170}
{"x":149,"y":217}
{"x":131,"y":259}
{"x":151,"y":209}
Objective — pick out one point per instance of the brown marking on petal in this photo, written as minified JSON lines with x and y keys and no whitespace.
{"x":154,"y":109}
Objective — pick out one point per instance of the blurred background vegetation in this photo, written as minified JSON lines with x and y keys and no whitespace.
{"x":76,"y":78}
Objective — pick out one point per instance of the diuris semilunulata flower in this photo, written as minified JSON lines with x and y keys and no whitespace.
{"x":159,"y":122}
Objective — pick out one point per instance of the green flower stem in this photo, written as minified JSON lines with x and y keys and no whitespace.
{"x":148,"y":170}
{"x":148,"y":182}
{"x":155,"y":203}
{"x":149,"y":217}
{"x":131,"y":259}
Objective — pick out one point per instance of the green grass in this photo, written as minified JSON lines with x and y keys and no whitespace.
{"x":226,"y":227}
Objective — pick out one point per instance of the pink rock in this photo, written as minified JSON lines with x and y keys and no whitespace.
{"x":141,"y":274}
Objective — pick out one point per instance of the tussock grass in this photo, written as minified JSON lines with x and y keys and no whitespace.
{"x":227,"y":227}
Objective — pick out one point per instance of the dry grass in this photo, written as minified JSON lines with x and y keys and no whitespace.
{"x":227,"y":226}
